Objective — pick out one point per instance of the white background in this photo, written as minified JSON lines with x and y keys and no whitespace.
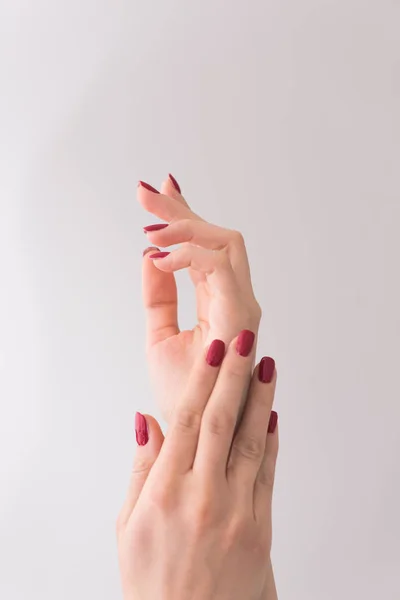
{"x":279,"y":118}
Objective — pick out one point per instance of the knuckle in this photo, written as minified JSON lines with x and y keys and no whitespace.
{"x":187,"y":420}
{"x":220,"y":422}
{"x":249,"y":448}
{"x":203,"y":515}
{"x":236,"y":531}
{"x":237,"y":238}
{"x":266,"y":477}
{"x":162,"y":497}
{"x":140,"y":466}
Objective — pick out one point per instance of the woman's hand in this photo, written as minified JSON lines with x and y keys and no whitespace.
{"x":196,"y":523}
{"x":218,"y":266}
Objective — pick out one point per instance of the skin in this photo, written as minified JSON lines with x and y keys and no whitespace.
{"x":196,"y":522}
{"x":217,"y":262}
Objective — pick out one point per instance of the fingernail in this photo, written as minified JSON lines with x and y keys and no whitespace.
{"x":216,"y":353}
{"x":148,"y":187}
{"x":245,"y":342}
{"x":150,"y":249}
{"x":175,"y":183}
{"x":266,"y":369}
{"x":141,"y":429}
{"x":155,"y":227}
{"x":159,"y":254}
{"x":273,"y":421}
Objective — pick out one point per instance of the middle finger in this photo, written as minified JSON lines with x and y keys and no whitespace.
{"x":224,"y":406}
{"x":208,"y":236}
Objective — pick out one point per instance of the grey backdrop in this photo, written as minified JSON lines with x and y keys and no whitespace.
{"x":280,"y":118}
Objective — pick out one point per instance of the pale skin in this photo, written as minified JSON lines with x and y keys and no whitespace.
{"x":196,"y":523}
{"x":217,"y":262}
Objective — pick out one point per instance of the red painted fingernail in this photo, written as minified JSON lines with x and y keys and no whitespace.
{"x":266,"y":369}
{"x":175,"y":183}
{"x":148,"y":187}
{"x":141,"y":429}
{"x":245,"y":342}
{"x":273,"y":421}
{"x":150,"y":249}
{"x":156,"y":227}
{"x":216,"y":353}
{"x":159,"y":254}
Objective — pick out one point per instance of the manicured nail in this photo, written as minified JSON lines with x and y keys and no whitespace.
{"x":159,"y":254}
{"x":273,"y":420}
{"x":148,"y":187}
{"x":141,"y":429}
{"x":216,"y":353}
{"x":150,"y":249}
{"x":266,"y":369}
{"x":155,"y":227}
{"x":245,"y":342}
{"x":175,"y":183}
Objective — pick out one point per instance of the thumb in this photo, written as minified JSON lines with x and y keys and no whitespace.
{"x":160,"y":299}
{"x":150,"y":439}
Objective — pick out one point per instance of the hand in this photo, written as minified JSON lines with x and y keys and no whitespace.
{"x":218,"y":266}
{"x":196,"y":523}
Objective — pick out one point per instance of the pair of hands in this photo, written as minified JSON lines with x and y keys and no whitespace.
{"x":197,"y":519}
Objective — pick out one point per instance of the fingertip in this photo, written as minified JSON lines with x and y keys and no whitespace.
{"x":244,"y":342}
{"x":273,"y":422}
{"x":150,"y":249}
{"x":172,"y":188}
{"x":175,"y":184}
{"x":147,"y":186}
{"x":158,"y":255}
{"x":148,"y":430}
{"x":215,"y":353}
{"x":266,"y":369}
{"x":141,"y":429}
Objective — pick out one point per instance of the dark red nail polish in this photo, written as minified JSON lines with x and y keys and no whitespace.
{"x":159,"y":254}
{"x":150,"y":249}
{"x":216,"y":353}
{"x":273,"y":421}
{"x":245,"y":342}
{"x":175,"y":183}
{"x":156,"y":227}
{"x":148,"y":187}
{"x":266,"y":369}
{"x":141,"y":429}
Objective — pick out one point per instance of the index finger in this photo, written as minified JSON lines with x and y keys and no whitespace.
{"x":162,"y":206}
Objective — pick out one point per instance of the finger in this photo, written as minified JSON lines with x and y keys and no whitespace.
{"x":171,"y":210}
{"x":150,"y":439}
{"x":229,"y":311}
{"x":206,"y":235}
{"x":214,"y":264}
{"x":248,"y":446}
{"x":170,"y":187}
{"x":179,"y":449}
{"x":224,"y":406}
{"x":160,"y":299}
{"x":162,"y":206}
{"x":264,"y":486}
